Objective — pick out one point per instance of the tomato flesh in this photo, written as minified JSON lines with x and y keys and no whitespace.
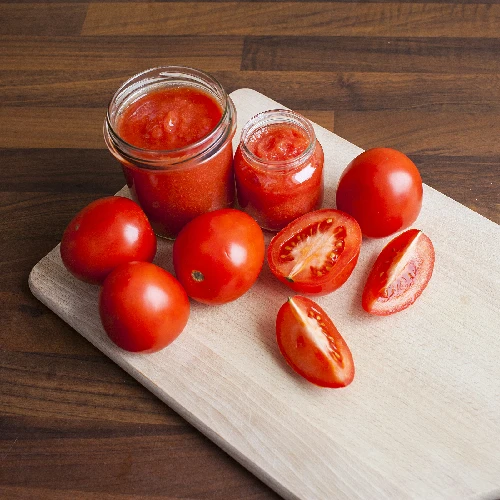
{"x":218,"y":255}
{"x":400,"y":274}
{"x":317,"y":252}
{"x":312,"y":345}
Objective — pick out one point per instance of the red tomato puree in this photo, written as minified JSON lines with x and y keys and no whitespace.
{"x":275,"y":194}
{"x":169,"y":119}
{"x":278,"y":143}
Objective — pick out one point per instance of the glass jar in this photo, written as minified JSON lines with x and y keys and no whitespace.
{"x":278,"y":168}
{"x":172,"y":128}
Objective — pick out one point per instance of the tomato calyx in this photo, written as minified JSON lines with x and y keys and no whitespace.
{"x":197,"y":276}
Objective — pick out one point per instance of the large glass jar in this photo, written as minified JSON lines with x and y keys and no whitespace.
{"x":172,"y":128}
{"x":278,"y":168}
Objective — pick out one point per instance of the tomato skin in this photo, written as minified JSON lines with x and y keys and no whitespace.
{"x":143,"y":308}
{"x":382,"y":189}
{"x":313,"y":347}
{"x":308,"y":280}
{"x":400,"y":274}
{"x":107,"y":232}
{"x":219,"y":255}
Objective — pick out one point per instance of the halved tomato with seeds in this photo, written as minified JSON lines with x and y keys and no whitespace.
{"x":400,"y":273}
{"x":317,"y":252}
{"x":312,"y":345}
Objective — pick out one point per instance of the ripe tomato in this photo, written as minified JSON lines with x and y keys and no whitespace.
{"x":317,"y":252}
{"x":312,"y":345}
{"x":382,"y":189}
{"x":106,"y":233}
{"x":219,"y":255}
{"x":143,"y":308}
{"x":400,"y":274}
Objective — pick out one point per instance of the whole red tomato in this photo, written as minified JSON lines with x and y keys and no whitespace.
{"x":106,"y":233}
{"x":317,"y":252}
{"x":312,"y":345}
{"x":382,"y":189}
{"x":143,"y":308}
{"x":219,"y":255}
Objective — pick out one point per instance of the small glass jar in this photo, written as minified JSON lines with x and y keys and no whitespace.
{"x":173,"y":185}
{"x":278,"y":168}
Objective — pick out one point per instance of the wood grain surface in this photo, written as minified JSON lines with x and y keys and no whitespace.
{"x":413,"y":393}
{"x":420,"y":77}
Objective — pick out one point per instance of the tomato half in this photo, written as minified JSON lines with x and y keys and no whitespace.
{"x":143,"y":308}
{"x":106,"y":233}
{"x":400,"y":274}
{"x":312,"y":345}
{"x":219,"y":255}
{"x":382,"y":189}
{"x":317,"y":252}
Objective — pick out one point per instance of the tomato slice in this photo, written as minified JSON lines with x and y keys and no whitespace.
{"x":312,"y":345}
{"x":317,"y":252}
{"x":400,"y":273}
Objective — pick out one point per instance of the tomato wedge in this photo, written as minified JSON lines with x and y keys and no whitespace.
{"x":400,"y":274}
{"x":312,"y":345}
{"x":316,"y":253}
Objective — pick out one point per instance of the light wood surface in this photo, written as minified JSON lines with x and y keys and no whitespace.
{"x":422,"y":77}
{"x":427,"y":378}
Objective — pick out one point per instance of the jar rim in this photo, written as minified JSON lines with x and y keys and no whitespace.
{"x":275,"y":117}
{"x":166,"y":73}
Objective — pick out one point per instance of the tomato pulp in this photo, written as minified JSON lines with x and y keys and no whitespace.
{"x":312,"y":345}
{"x":278,"y":143}
{"x":400,"y":273}
{"x":317,"y":252}
{"x":174,"y":144}
{"x":278,"y":169}
{"x":169,"y":118}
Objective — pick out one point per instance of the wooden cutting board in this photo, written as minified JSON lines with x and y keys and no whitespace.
{"x":420,"y":420}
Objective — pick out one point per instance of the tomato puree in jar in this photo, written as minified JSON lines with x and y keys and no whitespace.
{"x":172,"y":128}
{"x":278,"y":168}
{"x":169,"y":118}
{"x":278,"y":142}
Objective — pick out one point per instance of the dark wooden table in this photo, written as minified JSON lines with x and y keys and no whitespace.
{"x":419,"y":77}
